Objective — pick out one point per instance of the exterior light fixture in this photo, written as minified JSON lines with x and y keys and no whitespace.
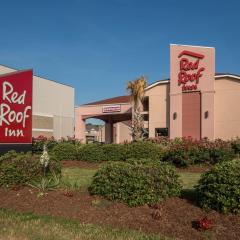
{"x":174,"y":116}
{"x":206,"y":114}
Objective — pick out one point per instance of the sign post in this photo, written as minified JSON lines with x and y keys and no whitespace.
{"x":16,"y":111}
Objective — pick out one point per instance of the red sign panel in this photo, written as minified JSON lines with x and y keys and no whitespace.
{"x":190,"y":71}
{"x":16,"y":107}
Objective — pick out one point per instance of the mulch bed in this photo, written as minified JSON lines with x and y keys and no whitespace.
{"x":176,"y":214}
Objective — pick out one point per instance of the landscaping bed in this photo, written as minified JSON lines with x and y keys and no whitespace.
{"x":177,"y":215}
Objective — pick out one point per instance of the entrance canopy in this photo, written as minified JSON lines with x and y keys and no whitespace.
{"x":111,"y":110}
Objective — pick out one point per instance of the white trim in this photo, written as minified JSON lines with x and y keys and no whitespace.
{"x":227,"y":75}
{"x":42,"y":130}
{"x":42,"y":114}
{"x":175,"y":44}
{"x":167,"y":81}
{"x":156,"y":83}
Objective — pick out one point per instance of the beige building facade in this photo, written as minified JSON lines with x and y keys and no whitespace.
{"x":53,"y":107}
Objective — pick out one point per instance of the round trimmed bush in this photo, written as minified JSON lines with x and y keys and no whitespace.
{"x":219,"y":188}
{"x":91,"y":153}
{"x":114,"y":152}
{"x":65,"y":151}
{"x":136,"y":184}
{"x":143,"y":149}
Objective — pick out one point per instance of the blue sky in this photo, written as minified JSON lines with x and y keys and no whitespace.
{"x":97,"y":46}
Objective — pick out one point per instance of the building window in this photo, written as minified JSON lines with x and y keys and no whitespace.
{"x":145,"y":117}
{"x":146,"y":104}
{"x":161,"y":132}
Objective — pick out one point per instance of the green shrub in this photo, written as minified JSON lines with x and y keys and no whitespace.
{"x":20,"y":168}
{"x":220,"y":151}
{"x":219,"y":188}
{"x":136,"y":184}
{"x":65,"y":151}
{"x":143,"y":149}
{"x":91,"y":153}
{"x":236,"y":146}
{"x":185,"y":152}
{"x":114,"y":152}
{"x":37,"y":145}
{"x":142,"y":161}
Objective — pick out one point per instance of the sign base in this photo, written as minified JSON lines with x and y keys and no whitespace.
{"x":4,"y":148}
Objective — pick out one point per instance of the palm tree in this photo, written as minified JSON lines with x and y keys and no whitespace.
{"x":136,"y":90}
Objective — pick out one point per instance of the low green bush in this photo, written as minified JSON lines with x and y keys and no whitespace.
{"x":143,"y":149}
{"x":38,"y":143}
{"x":114,"y":152}
{"x":136,"y":184}
{"x":142,"y":161}
{"x":236,"y":146}
{"x":219,"y":188}
{"x":65,"y":151}
{"x":185,"y":152}
{"x":20,"y":168}
{"x":91,"y":153}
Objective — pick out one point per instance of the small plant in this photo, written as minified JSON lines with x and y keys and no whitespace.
{"x":204,"y":223}
{"x":68,"y":194}
{"x":46,"y":183}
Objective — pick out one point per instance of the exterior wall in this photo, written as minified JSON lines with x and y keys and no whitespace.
{"x":158,"y":107}
{"x":53,"y":107}
{"x":123,"y":132}
{"x":227,"y":110}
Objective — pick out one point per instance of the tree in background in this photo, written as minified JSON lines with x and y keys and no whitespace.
{"x":136,"y":90}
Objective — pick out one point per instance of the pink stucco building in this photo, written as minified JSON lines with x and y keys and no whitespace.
{"x":194,"y":102}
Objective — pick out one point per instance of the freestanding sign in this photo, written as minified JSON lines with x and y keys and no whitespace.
{"x":192,"y":71}
{"x":16,"y":108}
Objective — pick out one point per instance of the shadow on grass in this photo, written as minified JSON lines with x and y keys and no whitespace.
{"x":190,"y":195}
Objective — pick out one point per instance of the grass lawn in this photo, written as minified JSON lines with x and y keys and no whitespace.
{"x":77,"y":178}
{"x":189,"y":180}
{"x":15,"y":226}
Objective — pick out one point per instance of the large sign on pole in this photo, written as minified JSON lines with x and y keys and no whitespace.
{"x":16,"y":107}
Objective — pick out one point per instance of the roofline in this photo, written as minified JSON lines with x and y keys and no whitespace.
{"x":37,"y":76}
{"x":157,"y":83}
{"x":227,"y":75}
{"x":15,"y":72}
{"x":104,"y":104}
{"x":168,"y":80}
{"x":175,"y":44}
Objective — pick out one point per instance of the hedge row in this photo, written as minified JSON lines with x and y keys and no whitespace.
{"x":181,"y":152}
{"x":107,"y":152}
